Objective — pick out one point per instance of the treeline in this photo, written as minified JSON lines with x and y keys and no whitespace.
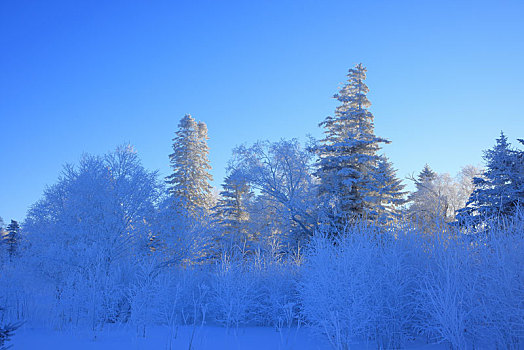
{"x":323,"y":234}
{"x":283,"y":191}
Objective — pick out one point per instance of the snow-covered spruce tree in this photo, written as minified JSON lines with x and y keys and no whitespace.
{"x":385,"y":193}
{"x":348,"y":153}
{"x":189,"y":182}
{"x":231,"y":211}
{"x":500,"y":190}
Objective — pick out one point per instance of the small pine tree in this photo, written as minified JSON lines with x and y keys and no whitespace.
{"x":231,"y":211}
{"x":348,"y":153}
{"x":189,"y":182}
{"x":12,"y":237}
{"x":500,"y":191}
{"x":424,"y":200}
{"x":427,"y":174}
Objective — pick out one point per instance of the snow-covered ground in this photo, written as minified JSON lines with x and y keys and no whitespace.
{"x":184,"y":337}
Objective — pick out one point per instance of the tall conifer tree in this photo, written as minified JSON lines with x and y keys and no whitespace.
{"x":348,"y":153}
{"x":189,"y":182}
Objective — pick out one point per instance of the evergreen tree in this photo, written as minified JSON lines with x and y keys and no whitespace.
{"x":385,"y":193}
{"x":12,"y":237}
{"x":500,"y":191}
{"x":348,"y":153}
{"x":231,"y":210}
{"x":189,"y":182}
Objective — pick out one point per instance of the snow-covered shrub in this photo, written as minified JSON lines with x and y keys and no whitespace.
{"x":235,"y":290}
{"x":394,"y":275}
{"x":472,"y":287}
{"x":168,"y":298}
{"x":278,"y":278}
{"x":393,"y":286}
{"x":336,"y":288}
{"x":196,"y":295}
{"x":500,"y":315}
{"x":22,"y":297}
{"x":143,"y":294}
{"x":447,"y":291}
{"x":12,"y":295}
{"x":168,"y":295}
{"x":359,"y":286}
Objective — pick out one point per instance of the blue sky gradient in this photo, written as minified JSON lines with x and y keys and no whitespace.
{"x":85,"y":76}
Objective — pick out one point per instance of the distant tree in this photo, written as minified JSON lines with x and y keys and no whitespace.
{"x":447,"y":197}
{"x":500,"y":189}
{"x":424,"y":200}
{"x":348,"y":153}
{"x":427,"y":174}
{"x":438,"y":197}
{"x":465,"y":185}
{"x":2,"y":232}
{"x":3,"y":241}
{"x":189,"y":182}
{"x":12,"y":237}
{"x":384,"y":193}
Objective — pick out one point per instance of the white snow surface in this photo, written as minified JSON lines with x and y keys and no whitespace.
{"x":183,"y":337}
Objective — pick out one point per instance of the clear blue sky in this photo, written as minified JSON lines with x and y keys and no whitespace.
{"x":86,"y":76}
